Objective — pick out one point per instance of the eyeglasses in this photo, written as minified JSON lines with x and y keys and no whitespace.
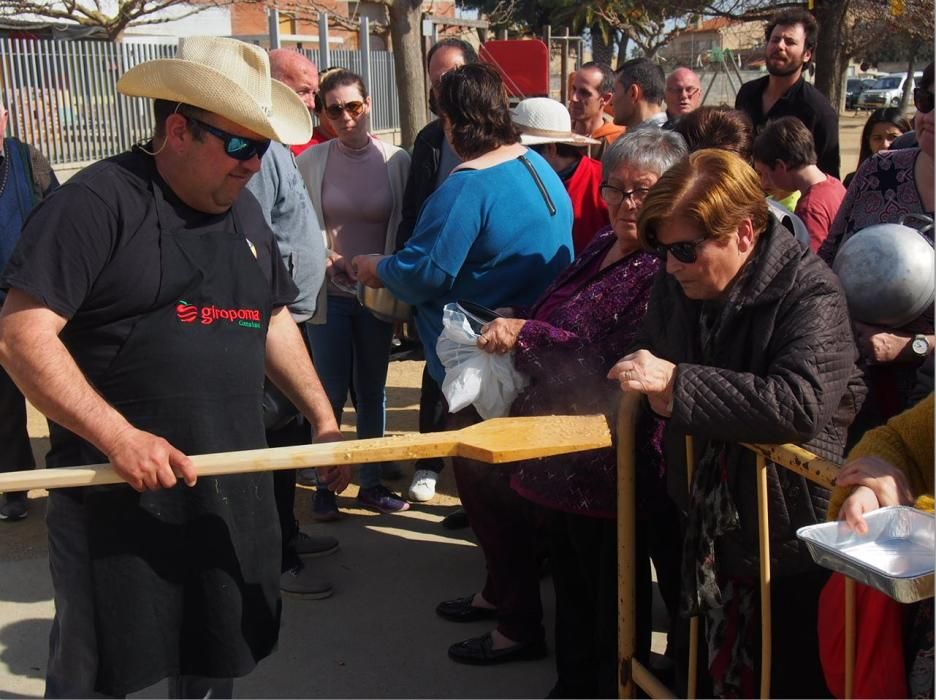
{"x":684,"y":251}
{"x":688,"y":91}
{"x":923,"y":99}
{"x":615,"y":195}
{"x":354,"y":109}
{"x":237,"y":147}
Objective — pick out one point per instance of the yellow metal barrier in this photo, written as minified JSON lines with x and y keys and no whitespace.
{"x":801,"y":461}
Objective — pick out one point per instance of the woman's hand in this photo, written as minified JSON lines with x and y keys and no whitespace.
{"x":878,"y":346}
{"x":879,"y":484}
{"x":365,"y":269}
{"x":500,"y":335}
{"x":339,"y":270}
{"x":644,"y":372}
{"x":862,"y":500}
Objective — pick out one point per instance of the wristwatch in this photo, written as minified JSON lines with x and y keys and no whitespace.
{"x":920,"y":345}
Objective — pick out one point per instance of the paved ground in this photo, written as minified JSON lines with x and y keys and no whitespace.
{"x":377,"y":637}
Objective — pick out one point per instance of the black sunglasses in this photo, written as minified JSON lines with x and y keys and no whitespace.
{"x":355,"y":109}
{"x":685,"y":251}
{"x":237,"y":147}
{"x":923,"y":100}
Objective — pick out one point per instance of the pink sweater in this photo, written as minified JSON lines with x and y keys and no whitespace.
{"x":356,"y":199}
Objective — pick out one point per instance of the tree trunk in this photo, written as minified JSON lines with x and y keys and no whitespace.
{"x":908,"y":83}
{"x":623,"y":43}
{"x":831,"y":58}
{"x":602,"y":50}
{"x":405,"y":19}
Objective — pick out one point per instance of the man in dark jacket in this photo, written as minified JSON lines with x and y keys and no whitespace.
{"x":25,"y":178}
{"x":791,"y":45}
{"x":432,"y":161}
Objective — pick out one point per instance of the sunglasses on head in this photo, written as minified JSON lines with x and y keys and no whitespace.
{"x":237,"y":147}
{"x":354,"y":109}
{"x":685,"y":251}
{"x":923,"y":99}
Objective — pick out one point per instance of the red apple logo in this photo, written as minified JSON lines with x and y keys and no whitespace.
{"x":187,"y":312}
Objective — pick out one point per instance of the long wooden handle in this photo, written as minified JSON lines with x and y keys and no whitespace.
{"x":493,"y":441}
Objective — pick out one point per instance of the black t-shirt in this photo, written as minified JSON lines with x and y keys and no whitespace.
{"x":91,"y":252}
{"x":807,"y":104}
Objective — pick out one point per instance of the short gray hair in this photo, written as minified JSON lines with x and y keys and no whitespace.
{"x":649,"y":148}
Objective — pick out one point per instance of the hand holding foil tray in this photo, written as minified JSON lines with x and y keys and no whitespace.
{"x":896,"y":555}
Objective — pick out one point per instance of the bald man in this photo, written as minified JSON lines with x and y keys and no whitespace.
{"x":302,"y":76}
{"x":683,"y":94}
{"x":288,"y":211}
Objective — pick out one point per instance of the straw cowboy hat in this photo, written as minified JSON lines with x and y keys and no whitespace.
{"x":543,"y":120}
{"x":226,"y":77}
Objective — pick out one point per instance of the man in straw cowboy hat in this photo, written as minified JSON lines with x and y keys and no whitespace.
{"x":146,"y":300}
{"x":546,"y":126}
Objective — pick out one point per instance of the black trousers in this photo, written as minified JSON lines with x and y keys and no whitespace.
{"x":583,"y":558}
{"x":15,"y":450}
{"x":432,"y":417}
{"x":296,"y":432}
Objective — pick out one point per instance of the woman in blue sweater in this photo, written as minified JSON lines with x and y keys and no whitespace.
{"x":496,"y":232}
{"x":498,"y":229}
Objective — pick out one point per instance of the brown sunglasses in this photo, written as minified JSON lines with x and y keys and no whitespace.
{"x":354,"y":109}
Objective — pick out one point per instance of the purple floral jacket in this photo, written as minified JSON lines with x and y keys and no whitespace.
{"x":567,"y":357}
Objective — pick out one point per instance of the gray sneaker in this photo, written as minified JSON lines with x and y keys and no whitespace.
{"x":311,"y":546}
{"x":15,"y":506}
{"x":302,"y":582}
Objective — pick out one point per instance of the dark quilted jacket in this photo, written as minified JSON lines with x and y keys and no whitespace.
{"x":782,"y":369}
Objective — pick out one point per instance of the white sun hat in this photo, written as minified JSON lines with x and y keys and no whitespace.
{"x":544,"y":120}
{"x":226,"y":77}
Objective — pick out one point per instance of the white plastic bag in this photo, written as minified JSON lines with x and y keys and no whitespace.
{"x":473,"y":376}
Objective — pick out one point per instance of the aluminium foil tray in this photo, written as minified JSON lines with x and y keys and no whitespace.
{"x":896,"y":556}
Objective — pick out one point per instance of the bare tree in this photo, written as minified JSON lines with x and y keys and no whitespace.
{"x":112,"y":17}
{"x":405,"y":26}
{"x":650,"y":25}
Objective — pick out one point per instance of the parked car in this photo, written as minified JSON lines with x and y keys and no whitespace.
{"x":886,"y":91}
{"x":854,"y":88}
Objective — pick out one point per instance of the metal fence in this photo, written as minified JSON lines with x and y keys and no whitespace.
{"x":385,"y":110}
{"x":62,"y":95}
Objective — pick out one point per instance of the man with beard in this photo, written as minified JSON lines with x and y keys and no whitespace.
{"x":791,"y":45}
{"x":683,"y":94}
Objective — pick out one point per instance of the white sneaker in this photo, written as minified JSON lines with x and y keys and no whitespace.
{"x":423,"y":487}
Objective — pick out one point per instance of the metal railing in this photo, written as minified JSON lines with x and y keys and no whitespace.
{"x":62,"y":95}
{"x":631,"y":672}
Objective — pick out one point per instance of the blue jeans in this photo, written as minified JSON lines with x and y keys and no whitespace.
{"x":353,"y":349}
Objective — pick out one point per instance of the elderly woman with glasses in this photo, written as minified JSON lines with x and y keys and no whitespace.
{"x":565,"y":343}
{"x":356,"y":184}
{"x":888,"y":186}
{"x":747,"y":339}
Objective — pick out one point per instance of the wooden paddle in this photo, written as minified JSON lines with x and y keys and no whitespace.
{"x":493,"y":441}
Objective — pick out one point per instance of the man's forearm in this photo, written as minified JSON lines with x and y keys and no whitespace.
{"x":290,"y":368}
{"x":42,"y":367}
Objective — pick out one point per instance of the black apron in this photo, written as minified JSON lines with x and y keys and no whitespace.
{"x":186,"y":580}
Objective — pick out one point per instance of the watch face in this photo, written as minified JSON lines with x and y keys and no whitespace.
{"x":920,"y":346}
